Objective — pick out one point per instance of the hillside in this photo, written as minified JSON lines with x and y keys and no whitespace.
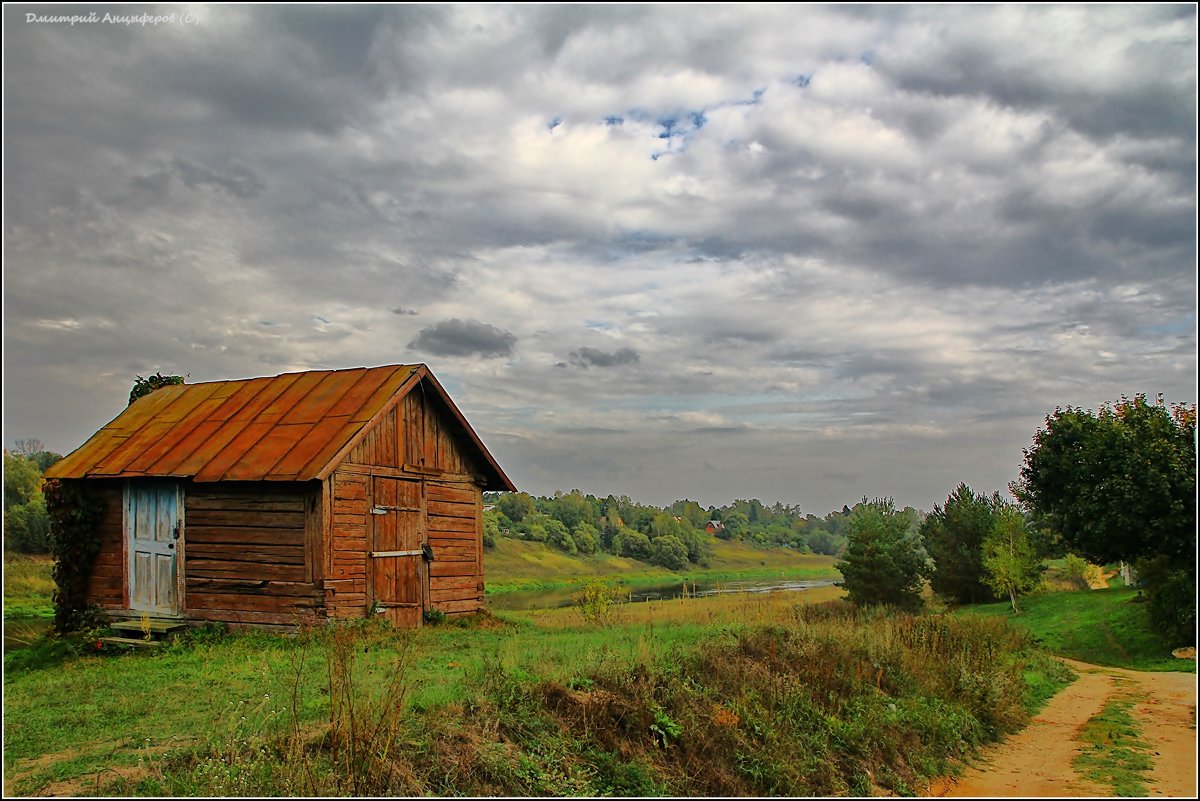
{"x":520,"y":565}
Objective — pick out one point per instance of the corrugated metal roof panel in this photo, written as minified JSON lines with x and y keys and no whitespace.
{"x":289,"y":427}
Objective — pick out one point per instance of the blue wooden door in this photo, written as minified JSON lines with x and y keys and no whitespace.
{"x":153,"y":525}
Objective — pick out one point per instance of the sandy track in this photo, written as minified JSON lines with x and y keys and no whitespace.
{"x":1036,"y":762}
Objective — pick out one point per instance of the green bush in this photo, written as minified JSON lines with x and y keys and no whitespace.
{"x":1076,"y":570}
{"x":670,"y":552}
{"x":633,"y":544}
{"x":587,"y":539}
{"x":1172,"y":609}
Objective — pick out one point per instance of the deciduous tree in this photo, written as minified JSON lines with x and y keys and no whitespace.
{"x":1117,"y":484}
{"x":1012,"y":565}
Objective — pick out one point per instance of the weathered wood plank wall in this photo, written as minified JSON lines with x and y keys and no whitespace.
{"x":418,"y":440}
{"x":244,"y":554}
{"x":106,"y":588}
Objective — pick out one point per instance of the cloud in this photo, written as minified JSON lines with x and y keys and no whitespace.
{"x":585,"y":357}
{"x":464,"y":338}
{"x":889,"y":269}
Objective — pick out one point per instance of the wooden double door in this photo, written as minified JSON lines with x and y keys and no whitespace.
{"x":398,"y":570}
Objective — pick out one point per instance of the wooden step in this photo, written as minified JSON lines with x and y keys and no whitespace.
{"x":132,"y":642}
{"x":155,"y":626}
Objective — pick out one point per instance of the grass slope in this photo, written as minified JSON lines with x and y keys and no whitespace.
{"x":827,"y":702}
{"x":1103,"y":627}
{"x":28,"y":587}
{"x":517,"y":565}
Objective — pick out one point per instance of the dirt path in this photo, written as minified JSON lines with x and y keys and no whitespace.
{"x":1036,"y":762}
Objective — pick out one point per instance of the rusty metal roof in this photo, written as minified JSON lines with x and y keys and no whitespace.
{"x":290,"y":427}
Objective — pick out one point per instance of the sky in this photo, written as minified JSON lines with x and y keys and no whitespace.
{"x":800,"y":253}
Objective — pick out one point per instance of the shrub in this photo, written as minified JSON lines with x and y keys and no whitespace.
{"x":586,"y":538}
{"x":633,"y":544}
{"x":491,"y":530}
{"x":1172,"y":601}
{"x":670,"y":552}
{"x":597,"y":603}
{"x":1076,"y":571}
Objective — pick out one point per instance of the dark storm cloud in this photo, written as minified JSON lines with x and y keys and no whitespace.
{"x":464,"y":338}
{"x":593,"y":357}
{"x":959,"y":218}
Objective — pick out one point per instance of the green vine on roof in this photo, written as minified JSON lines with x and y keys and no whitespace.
{"x":144,"y":386}
{"x":75,"y":542}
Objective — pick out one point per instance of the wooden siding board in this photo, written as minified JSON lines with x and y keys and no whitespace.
{"x":451,"y":524}
{"x":452,"y":509}
{"x":451,"y":493}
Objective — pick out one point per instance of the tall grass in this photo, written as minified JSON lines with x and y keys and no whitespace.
{"x":832,"y":702}
{"x":28,"y":586}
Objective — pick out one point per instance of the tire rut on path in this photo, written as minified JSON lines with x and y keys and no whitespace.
{"x":1037,"y":761}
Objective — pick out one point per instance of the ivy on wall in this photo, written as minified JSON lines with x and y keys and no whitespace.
{"x":75,"y":542}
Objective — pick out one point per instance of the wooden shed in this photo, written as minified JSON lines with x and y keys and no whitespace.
{"x":290,"y":499}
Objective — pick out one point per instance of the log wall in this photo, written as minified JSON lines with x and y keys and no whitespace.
{"x":455,"y":520}
{"x":245,"y":553}
{"x":346,"y":544}
{"x":106,"y":588}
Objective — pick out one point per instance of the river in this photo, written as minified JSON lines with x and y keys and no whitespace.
{"x":564,"y":596}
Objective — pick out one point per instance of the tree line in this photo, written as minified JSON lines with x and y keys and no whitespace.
{"x":1116,"y":484}
{"x":26,"y":521}
{"x":672,"y":536}
{"x":1113,"y":485}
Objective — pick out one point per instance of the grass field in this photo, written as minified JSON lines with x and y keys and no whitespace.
{"x":769,"y":692}
{"x":1104,"y":627}
{"x":28,"y":587}
{"x":796,"y":702}
{"x":516,"y":565}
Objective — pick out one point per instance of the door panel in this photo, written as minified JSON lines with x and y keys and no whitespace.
{"x":153,"y":515}
{"x":397,"y":569}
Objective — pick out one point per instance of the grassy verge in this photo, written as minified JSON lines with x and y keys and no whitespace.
{"x":518,"y":566}
{"x":28,"y":587}
{"x":1113,"y":753}
{"x":825,"y":701}
{"x":1103,"y":627}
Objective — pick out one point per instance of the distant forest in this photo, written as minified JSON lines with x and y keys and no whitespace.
{"x":671,"y":536}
